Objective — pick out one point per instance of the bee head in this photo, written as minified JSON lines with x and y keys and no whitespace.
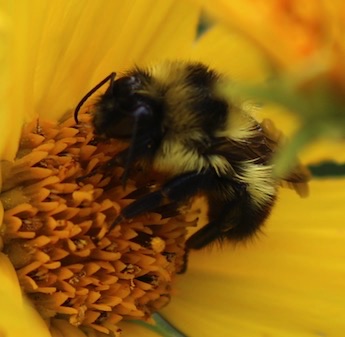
{"x":122,"y":111}
{"x":125,"y":112}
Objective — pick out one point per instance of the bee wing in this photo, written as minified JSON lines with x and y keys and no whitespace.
{"x":255,"y":148}
{"x":261,"y":149}
{"x":298,"y":178}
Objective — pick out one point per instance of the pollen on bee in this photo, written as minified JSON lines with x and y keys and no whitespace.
{"x":59,"y":199}
{"x":157,"y":244}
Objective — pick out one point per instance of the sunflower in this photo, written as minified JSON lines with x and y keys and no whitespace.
{"x":289,"y":282}
{"x":70,"y":271}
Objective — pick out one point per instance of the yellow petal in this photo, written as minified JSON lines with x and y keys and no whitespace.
{"x":106,"y":36}
{"x":17,"y":317}
{"x":9,"y":123}
{"x":55,"y":51}
{"x":324,"y":150}
{"x":288,"y":282}
{"x":231,"y":54}
{"x":62,"y":328}
{"x":9,"y":281}
{"x":70,"y":45}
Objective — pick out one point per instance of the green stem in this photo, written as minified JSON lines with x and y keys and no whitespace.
{"x":162,"y":326}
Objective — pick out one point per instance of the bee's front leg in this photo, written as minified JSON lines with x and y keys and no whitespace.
{"x":177,"y":190}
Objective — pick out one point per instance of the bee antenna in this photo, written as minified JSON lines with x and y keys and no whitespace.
{"x":109,"y":78}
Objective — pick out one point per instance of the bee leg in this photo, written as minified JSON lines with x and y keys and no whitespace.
{"x":234,"y":219}
{"x":118,"y":160}
{"x":176,"y":190}
{"x":204,"y":236}
{"x":184,"y":267}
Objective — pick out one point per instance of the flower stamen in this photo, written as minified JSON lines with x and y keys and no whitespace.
{"x":59,"y":199}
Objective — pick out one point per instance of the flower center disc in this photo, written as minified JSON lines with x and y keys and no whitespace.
{"x":59,"y":198}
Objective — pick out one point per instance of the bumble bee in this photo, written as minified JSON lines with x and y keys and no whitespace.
{"x":178,"y":124}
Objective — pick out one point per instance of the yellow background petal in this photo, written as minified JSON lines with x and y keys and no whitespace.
{"x":9,"y":123}
{"x":17,"y":317}
{"x":60,"y":49}
{"x":288,"y":282}
{"x":106,"y":36}
{"x":84,"y":41}
{"x":62,"y":328}
{"x":231,"y":54}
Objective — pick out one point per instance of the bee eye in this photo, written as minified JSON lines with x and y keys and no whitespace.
{"x":125,"y":86}
{"x":125,"y":122}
